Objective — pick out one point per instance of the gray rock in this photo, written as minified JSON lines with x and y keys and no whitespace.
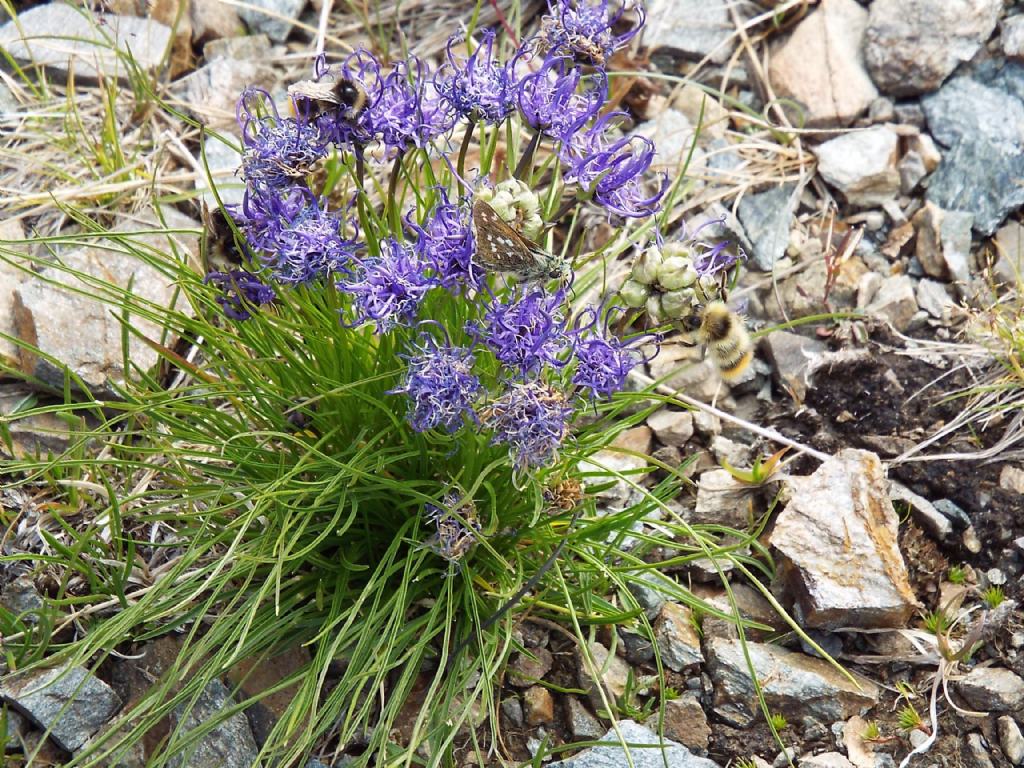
{"x":274,"y":18}
{"x":676,"y":637}
{"x":80,"y":330}
{"x":1010,"y":739}
{"x":211,"y":92}
{"x":882,"y":110}
{"x":35,"y":434}
{"x":12,"y":274}
{"x":686,"y":722}
{"x":976,"y":748}
{"x":960,"y":519}
{"x":649,"y":590}
{"x":687,"y":369}
{"x":68,"y":701}
{"x":222,"y":164}
{"x":794,"y":685}
{"x":16,"y":725}
{"x":825,"y":760}
{"x":21,"y":597}
{"x":673,"y":138}
{"x":992,"y":689}
{"x":664,"y":752}
{"x":58,"y":35}
{"x":613,"y":675}
{"x":912,"y":170}
{"x":911,"y":46}
{"x":794,"y":358}
{"x":895,"y":301}
{"x":692,"y":28}
{"x":229,"y":744}
{"x":944,"y":242}
{"x":933,"y":299}
{"x":722,"y":500}
{"x":213,"y":19}
{"x":1012,"y":37}
{"x":981,"y":126}
{"x":512,"y":708}
{"x":820,"y":66}
{"x":583,"y":725}
{"x":836,"y":539}
{"x":639,"y":650}
{"x":922,"y":510}
{"x":766,"y":217}
{"x":862,"y":165}
{"x":671,"y":427}
{"x":1009,"y":245}
{"x":1012,"y":479}
{"x":528,"y":668}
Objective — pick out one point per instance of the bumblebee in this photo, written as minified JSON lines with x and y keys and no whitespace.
{"x":341,"y":95}
{"x":724,"y":334}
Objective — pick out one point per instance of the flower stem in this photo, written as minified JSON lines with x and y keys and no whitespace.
{"x":467,"y":138}
{"x":526,"y":161}
{"x":392,"y":201}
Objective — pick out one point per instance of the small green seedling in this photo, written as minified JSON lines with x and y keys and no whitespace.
{"x":760,"y":472}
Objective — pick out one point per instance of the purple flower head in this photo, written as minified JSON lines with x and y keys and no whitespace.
{"x":440,"y":382}
{"x":552,"y":101}
{"x":299,"y":242}
{"x":532,"y":419}
{"x":348,"y":127}
{"x":445,"y":242}
{"x":239,"y":292}
{"x":478,"y":87}
{"x":454,"y":538}
{"x":407,"y":110}
{"x":584,"y":30}
{"x":611,"y":171}
{"x":387,"y":289}
{"x":710,"y":259}
{"x":278,"y":151}
{"x":528,"y":332}
{"x":602,"y":361}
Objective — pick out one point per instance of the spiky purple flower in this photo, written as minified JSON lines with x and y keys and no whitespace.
{"x":552,"y":100}
{"x":611,"y":170}
{"x":239,"y":292}
{"x":297,"y":240}
{"x":583,"y":30}
{"x":347,"y":127}
{"x":711,"y":258}
{"x":279,"y":152}
{"x":440,"y":382}
{"x":528,"y":332}
{"x":445,"y":242}
{"x":478,"y":87}
{"x":532,"y":419}
{"x":602,"y":361}
{"x":388,"y":289}
{"x":407,"y":111}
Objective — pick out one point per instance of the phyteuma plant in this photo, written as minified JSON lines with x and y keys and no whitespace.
{"x":374,"y":445}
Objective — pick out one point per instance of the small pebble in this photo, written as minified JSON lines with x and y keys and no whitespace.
{"x":1010,"y":739}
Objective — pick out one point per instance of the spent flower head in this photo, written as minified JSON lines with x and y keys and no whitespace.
{"x":478,"y":87}
{"x":278,"y":152}
{"x":387,"y":289}
{"x":440,"y":382}
{"x":454,"y":537}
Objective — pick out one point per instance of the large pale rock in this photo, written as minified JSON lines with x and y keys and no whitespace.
{"x":686,"y":722}
{"x":992,"y":689}
{"x":677,"y":638}
{"x":655,"y":752}
{"x":62,"y":315}
{"x":895,"y":301}
{"x":766,"y":217}
{"x":722,"y":500}
{"x":837,"y":541}
{"x":794,"y":685}
{"x":63,"y":37}
{"x":862,"y":165}
{"x":1012,"y":36}
{"x":68,"y":701}
{"x":983,"y":128}
{"x":821,"y":68}
{"x":911,"y":46}
{"x":693,"y":28}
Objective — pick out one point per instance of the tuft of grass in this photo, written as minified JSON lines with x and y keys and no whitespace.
{"x":909,"y":719}
{"x":957,"y":574}
{"x":936,"y":622}
{"x":872,"y":732}
{"x":993,"y":596}
{"x":778,"y":721}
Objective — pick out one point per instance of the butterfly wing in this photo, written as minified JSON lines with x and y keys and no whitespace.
{"x":499,"y":247}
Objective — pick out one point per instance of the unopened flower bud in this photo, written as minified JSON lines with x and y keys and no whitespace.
{"x":709,"y":287}
{"x":676,"y":304}
{"x":654,"y":312}
{"x":645,"y":268}
{"x":675,"y":273}
{"x":675,"y":248}
{"x":634,"y":294}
